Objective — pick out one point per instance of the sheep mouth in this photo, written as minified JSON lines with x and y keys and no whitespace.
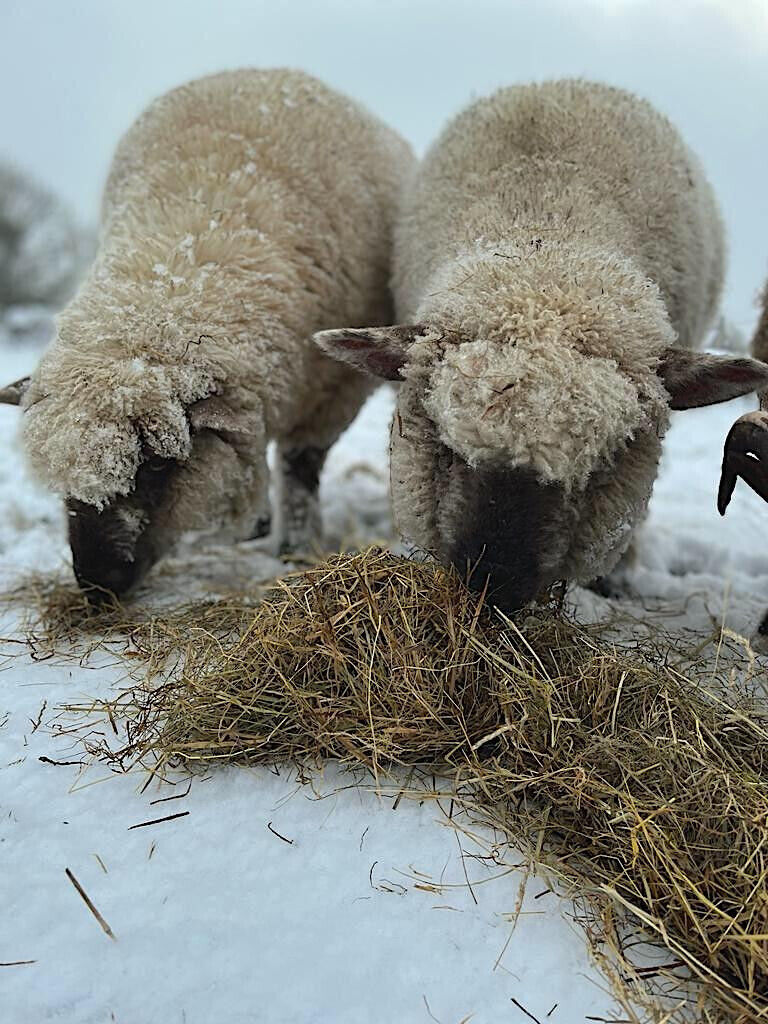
{"x":113,"y":548}
{"x":109,"y":555}
{"x":509,"y":536}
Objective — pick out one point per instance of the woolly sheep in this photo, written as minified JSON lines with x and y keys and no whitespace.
{"x":746,"y":448}
{"x":559,"y":255}
{"x":242,"y":212}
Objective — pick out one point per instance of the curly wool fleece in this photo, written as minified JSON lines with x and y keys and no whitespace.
{"x":243,"y":211}
{"x":563,"y":373}
{"x":556,"y":241}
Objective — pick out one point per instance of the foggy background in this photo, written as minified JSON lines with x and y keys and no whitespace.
{"x":74,"y":74}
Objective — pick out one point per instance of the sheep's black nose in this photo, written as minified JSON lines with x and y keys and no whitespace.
{"x":106,"y":558}
{"x":100,"y":580}
{"x":506,"y":536}
{"x":509,"y":584}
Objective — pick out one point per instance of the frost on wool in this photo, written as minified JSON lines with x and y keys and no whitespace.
{"x":577,"y":353}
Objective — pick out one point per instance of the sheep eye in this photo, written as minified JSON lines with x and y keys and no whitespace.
{"x":156,"y":463}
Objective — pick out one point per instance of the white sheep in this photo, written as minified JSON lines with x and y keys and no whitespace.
{"x":243,"y":212}
{"x":559,"y":255}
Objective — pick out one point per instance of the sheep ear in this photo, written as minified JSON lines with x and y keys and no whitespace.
{"x":694,"y":379}
{"x":13,"y":394}
{"x":381,"y":351}
{"x":214,"y":414}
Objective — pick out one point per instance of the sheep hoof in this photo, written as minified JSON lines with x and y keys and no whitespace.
{"x":606,"y":586}
{"x":303,"y":542}
{"x":615,"y":585}
{"x":261,"y":528}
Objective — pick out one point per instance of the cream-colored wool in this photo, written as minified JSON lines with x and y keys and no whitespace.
{"x":567,"y":231}
{"x":242,"y":212}
{"x":501,"y":401}
{"x":557,"y":241}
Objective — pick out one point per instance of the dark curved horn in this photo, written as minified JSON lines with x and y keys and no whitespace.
{"x":13,"y":394}
{"x":745,"y":455}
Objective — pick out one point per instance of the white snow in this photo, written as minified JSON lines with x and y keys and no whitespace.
{"x":216,"y":917}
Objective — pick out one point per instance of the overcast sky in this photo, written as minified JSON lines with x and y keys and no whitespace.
{"x":74,"y":73}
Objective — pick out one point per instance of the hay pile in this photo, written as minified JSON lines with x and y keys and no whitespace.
{"x":647,"y":792}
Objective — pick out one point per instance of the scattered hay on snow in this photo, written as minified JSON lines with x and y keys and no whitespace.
{"x":642,"y":787}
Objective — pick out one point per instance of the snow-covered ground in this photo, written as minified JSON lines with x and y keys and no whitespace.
{"x":269,"y":901}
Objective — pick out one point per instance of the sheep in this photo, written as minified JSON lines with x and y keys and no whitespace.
{"x":558,"y":257}
{"x":745,"y":453}
{"x":242,"y":212}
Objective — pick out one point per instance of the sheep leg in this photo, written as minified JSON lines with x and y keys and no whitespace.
{"x":300,"y":470}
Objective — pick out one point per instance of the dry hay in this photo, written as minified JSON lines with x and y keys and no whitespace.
{"x":643,"y":788}
{"x":54,"y":612}
{"x":58,"y":618}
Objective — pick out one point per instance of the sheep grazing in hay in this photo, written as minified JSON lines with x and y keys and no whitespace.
{"x":558,"y":258}
{"x":746,"y":449}
{"x":645,"y":790}
{"x":243,"y":211}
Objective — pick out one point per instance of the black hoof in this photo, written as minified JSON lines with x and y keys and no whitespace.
{"x":261,"y":528}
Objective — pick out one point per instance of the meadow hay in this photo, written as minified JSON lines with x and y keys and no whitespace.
{"x":643,"y":789}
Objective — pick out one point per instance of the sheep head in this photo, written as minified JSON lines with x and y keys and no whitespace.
{"x":113,"y":546}
{"x":143,"y":448}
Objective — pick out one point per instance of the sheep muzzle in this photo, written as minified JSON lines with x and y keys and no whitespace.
{"x":107,"y":556}
{"x":509,"y":535}
{"x":114,"y":547}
